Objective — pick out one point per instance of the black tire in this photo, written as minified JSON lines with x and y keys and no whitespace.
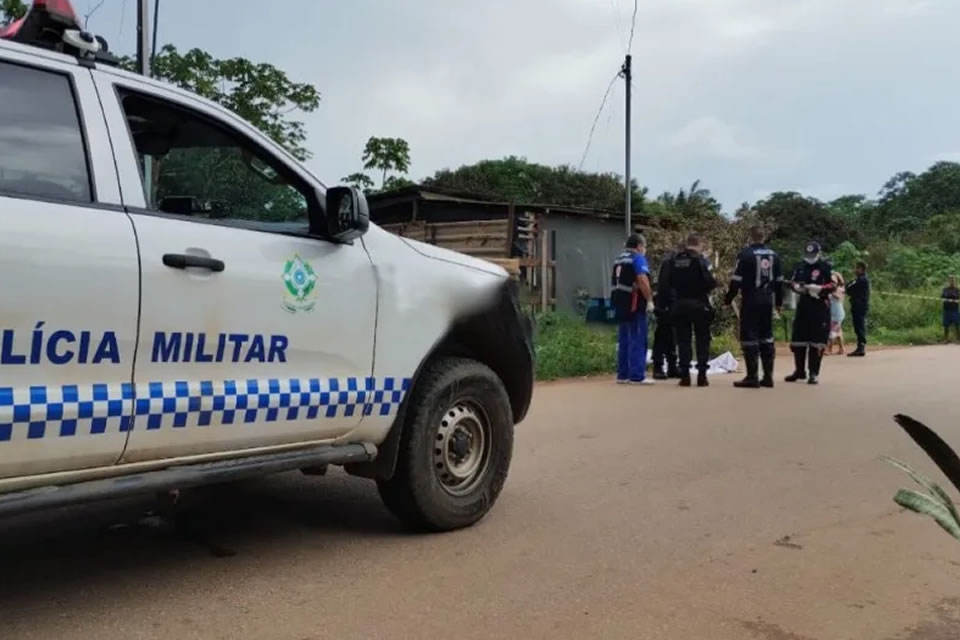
{"x":415,"y":493}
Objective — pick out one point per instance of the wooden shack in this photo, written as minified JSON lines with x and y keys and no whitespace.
{"x":561,"y":255}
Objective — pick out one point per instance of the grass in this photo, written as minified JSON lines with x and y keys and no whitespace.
{"x":567,"y":347}
{"x":909,"y":337}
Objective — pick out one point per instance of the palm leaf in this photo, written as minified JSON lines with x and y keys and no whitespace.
{"x":924,"y":504}
{"x":935,"y":490}
{"x":938,"y":450}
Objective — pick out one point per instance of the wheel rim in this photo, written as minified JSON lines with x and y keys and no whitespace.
{"x":461,"y":448}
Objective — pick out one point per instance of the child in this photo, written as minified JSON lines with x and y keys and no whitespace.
{"x":837,"y":316}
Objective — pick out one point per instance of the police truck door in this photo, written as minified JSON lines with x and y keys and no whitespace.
{"x":69,"y":291}
{"x":252,"y":334}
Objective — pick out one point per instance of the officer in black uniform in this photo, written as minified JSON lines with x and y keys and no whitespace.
{"x":811,"y":326}
{"x":687,"y":284}
{"x":758,"y":278}
{"x":858,"y":290}
{"x":664,"y":340}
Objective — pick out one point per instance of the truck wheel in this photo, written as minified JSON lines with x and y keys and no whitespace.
{"x":455,"y":447}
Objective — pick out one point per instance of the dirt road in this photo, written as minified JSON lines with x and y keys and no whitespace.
{"x":630,"y":513}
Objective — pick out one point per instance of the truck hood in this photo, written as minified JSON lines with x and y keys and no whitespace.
{"x":446,"y":255}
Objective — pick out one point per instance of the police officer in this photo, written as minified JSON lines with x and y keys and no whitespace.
{"x":759,"y":280}
{"x":811,"y":325}
{"x":858,"y":290}
{"x":687,"y":284}
{"x":664,"y":338}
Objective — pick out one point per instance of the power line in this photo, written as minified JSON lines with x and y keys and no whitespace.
{"x":633,"y":25}
{"x":596,"y":118}
{"x":123,"y":13}
{"x":90,"y":12}
{"x":616,"y":22}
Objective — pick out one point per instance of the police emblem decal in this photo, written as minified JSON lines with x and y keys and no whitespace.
{"x":816,"y":273}
{"x":765,"y":263}
{"x":299,"y":281}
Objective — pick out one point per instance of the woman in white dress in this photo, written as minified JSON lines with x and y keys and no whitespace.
{"x":837,"y":315}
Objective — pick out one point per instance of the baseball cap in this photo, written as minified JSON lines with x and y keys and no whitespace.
{"x":812,"y":250}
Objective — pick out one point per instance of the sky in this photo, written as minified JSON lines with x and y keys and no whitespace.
{"x":825,"y":97}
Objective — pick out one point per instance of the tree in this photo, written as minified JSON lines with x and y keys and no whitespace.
{"x":359,"y":180}
{"x":850,"y":207}
{"x":944,"y":230}
{"x":11,"y":10}
{"x":908,"y":201}
{"x":798,"y":219}
{"x":258,"y":92}
{"x":386,"y":154}
{"x":696,"y":202}
{"x":514,"y":179}
{"x":397,"y":182}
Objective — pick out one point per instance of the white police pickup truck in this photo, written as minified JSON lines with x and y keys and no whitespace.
{"x":183,"y":303}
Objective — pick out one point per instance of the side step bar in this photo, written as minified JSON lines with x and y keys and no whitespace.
{"x":182,"y":477}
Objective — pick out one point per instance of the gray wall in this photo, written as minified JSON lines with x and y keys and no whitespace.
{"x":585,"y":251}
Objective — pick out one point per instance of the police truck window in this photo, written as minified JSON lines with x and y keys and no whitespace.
{"x":41,"y":144}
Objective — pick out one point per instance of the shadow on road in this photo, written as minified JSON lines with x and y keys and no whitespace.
{"x":57,"y":554}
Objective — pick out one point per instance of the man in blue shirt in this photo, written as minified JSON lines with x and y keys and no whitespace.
{"x":951,"y":309}
{"x":632,"y":299}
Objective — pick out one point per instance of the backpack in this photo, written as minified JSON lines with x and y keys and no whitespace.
{"x":624,"y":296}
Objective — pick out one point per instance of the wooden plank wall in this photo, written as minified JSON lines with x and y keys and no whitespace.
{"x":491,"y":240}
{"x":478,"y":238}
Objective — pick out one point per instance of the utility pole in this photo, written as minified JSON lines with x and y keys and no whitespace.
{"x":156,"y":23}
{"x":625,"y":71}
{"x":143,"y":37}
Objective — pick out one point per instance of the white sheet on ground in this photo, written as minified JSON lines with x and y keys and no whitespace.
{"x":724,"y":363}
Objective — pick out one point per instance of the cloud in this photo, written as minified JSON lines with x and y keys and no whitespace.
{"x":742,"y":94}
{"x":712,"y":137}
{"x":907,"y":8}
{"x":945,"y":156}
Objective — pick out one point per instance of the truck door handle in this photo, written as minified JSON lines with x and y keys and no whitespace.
{"x":184,"y":260}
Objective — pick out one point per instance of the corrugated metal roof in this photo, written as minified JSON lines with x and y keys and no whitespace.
{"x":432,"y":195}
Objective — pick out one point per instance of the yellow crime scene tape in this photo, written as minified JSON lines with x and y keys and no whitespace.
{"x":912,"y":295}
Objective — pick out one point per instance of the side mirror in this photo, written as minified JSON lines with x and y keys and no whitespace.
{"x":348,"y":215}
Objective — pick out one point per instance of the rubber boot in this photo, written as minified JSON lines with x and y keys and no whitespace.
{"x":702,"y":379}
{"x":815,"y":357}
{"x":799,"y":365}
{"x":750,"y":357}
{"x":767,"y":354}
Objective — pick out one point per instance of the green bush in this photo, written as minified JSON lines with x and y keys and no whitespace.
{"x":897,"y":313}
{"x":566,"y":347}
{"x":911,"y":267}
